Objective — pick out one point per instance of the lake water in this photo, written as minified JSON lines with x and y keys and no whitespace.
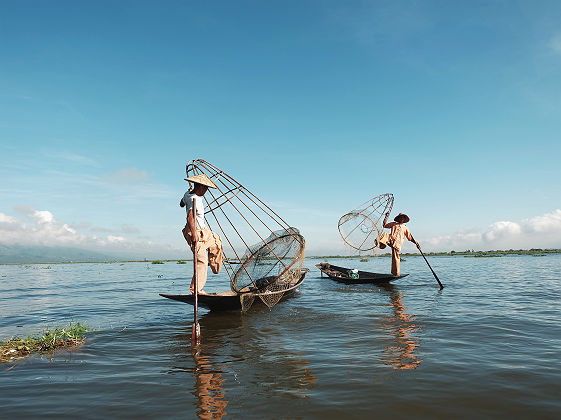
{"x":487,"y":346}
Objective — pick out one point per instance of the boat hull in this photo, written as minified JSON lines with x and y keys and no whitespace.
{"x":229,"y":300}
{"x":343,"y":275}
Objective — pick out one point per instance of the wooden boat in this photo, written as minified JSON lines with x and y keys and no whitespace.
{"x":230,"y":300}
{"x":349,"y":276}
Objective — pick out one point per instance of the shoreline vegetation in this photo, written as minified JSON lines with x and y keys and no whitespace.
{"x":16,"y":348}
{"x":467,"y":253}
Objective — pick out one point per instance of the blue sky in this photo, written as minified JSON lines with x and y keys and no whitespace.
{"x":316,"y":106}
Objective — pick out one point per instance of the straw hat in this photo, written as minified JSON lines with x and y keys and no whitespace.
{"x":202,"y":179}
{"x":401,"y":216}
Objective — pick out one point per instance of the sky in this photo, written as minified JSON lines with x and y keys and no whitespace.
{"x":314,"y":105}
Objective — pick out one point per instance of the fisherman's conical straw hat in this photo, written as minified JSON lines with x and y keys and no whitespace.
{"x":401,"y":216}
{"x":202,"y":179}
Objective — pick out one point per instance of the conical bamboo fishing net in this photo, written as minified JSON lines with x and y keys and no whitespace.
{"x":362,"y":227}
{"x":263,"y":255}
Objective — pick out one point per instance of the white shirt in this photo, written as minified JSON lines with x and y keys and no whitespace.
{"x":199,"y":212}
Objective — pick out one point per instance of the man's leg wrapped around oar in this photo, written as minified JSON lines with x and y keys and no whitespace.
{"x":201,"y":259}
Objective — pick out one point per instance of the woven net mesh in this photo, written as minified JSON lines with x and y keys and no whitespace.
{"x":246,"y":300}
{"x":275,"y":264}
{"x":263,"y":255}
{"x":362,"y":227}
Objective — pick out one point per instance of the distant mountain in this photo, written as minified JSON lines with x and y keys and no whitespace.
{"x":44,"y":254}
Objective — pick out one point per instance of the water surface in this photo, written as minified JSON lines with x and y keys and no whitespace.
{"x":487,"y":345}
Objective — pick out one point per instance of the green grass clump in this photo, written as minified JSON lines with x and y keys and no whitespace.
{"x":181,"y":262}
{"x":157,"y":262}
{"x":69,"y":336}
{"x":483,"y":256}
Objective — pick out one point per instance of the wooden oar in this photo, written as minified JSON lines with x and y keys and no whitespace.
{"x":433,"y":273}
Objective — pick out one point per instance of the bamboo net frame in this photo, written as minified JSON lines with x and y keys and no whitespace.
{"x":263,"y":254}
{"x":361,"y":228}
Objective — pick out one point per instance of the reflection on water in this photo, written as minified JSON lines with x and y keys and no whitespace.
{"x":211,"y":377}
{"x":262,"y":360}
{"x":208,"y":387}
{"x":401,"y":354}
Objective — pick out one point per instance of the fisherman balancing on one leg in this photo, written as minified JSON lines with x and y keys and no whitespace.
{"x":205,"y":244}
{"x":398,"y":232}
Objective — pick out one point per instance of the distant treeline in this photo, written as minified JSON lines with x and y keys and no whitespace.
{"x":472,"y":253}
{"x":501,"y":252}
{"x":533,"y":251}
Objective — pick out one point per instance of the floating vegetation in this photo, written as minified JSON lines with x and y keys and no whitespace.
{"x":483,"y":256}
{"x":52,"y":339}
{"x":157,"y":262}
{"x":181,"y":262}
{"x":364,"y":260}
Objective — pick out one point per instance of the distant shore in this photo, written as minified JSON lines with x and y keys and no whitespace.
{"x":467,"y":253}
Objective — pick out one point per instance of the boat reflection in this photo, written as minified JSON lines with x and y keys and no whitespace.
{"x":402,"y":353}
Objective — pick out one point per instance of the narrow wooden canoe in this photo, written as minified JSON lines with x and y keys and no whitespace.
{"x":346,"y":275}
{"x":229,"y":300}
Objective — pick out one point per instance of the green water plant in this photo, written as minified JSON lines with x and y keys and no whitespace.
{"x":157,"y":262}
{"x":483,"y":256}
{"x":70,"y":336}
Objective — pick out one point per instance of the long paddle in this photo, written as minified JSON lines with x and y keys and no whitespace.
{"x":433,"y":273}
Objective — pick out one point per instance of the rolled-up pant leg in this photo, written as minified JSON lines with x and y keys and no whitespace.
{"x":395,"y":262}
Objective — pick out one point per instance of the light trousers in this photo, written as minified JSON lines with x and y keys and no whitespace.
{"x":208,"y":244}
{"x":395,"y":262}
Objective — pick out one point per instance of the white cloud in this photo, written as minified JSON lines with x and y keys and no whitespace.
{"x":43,"y":217}
{"x":43,"y":229}
{"x":502,"y":230}
{"x":7,"y":219}
{"x":550,"y":222}
{"x":40,"y":227}
{"x":115,"y":239}
{"x":537,"y":232}
{"x":8,"y":223}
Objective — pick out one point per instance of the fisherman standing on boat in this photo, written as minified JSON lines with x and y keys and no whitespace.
{"x":203,"y":241}
{"x":398,"y":232}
